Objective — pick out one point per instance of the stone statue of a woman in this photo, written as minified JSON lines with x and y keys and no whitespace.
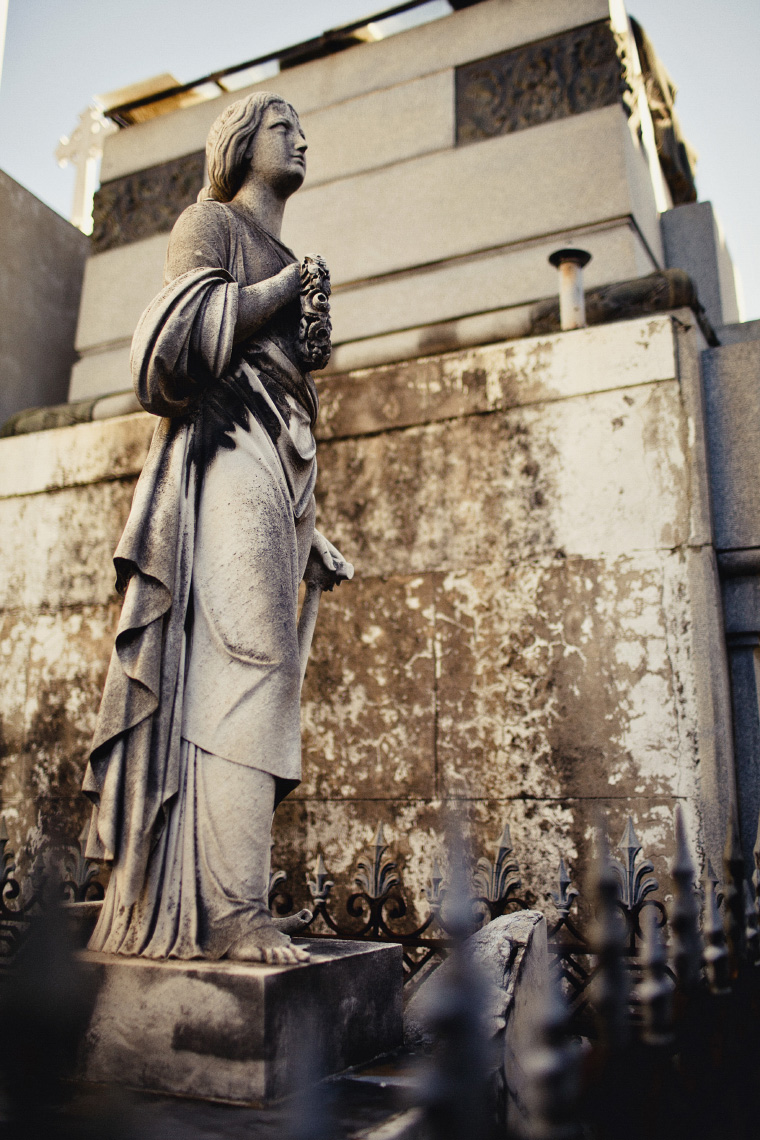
{"x":198,"y":735}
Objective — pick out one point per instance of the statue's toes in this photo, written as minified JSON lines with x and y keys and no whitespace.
{"x":248,"y":953}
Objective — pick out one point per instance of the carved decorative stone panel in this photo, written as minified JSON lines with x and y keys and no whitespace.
{"x":145,"y":203}
{"x":578,"y":70}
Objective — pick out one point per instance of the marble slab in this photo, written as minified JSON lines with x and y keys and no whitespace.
{"x":241,"y":1032}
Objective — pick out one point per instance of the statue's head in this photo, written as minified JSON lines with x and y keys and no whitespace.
{"x":232,"y":145}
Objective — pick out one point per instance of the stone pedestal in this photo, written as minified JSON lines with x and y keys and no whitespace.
{"x":241,"y":1032}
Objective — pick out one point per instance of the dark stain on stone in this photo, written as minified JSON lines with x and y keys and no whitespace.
{"x":231,"y":1043}
{"x":474,"y":379}
{"x":439,"y":338}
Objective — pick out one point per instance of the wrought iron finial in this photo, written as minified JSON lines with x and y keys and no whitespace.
{"x":733,"y":889}
{"x":378,"y":842}
{"x":552,"y":1069}
{"x":656,"y":990}
{"x":495,"y":881}
{"x":321,"y":885}
{"x":80,"y":874}
{"x":9,"y":887}
{"x":454,"y":1092}
{"x":610,"y":986}
{"x":504,"y":842}
{"x":636,"y":880}
{"x":376,"y":874}
{"x":566,"y":894}
{"x":684,"y":910}
{"x":630,"y":840}
{"x":459,"y":917}
{"x":7,"y":857}
{"x":276,"y":879}
{"x":713,"y":878}
{"x":436,"y":891}
{"x":84,"y":836}
{"x":715,"y":954}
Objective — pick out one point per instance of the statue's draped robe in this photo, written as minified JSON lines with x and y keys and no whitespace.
{"x":205,"y":668}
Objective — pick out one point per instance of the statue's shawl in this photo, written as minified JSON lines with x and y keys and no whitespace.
{"x":184,"y":338}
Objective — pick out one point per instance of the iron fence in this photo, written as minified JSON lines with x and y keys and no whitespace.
{"x":650,"y":1030}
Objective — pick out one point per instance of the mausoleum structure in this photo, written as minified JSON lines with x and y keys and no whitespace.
{"x":553,"y":532}
{"x":445,"y":164}
{"x":42,"y":260}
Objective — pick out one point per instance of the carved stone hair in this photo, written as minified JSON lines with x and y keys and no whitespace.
{"x":228,"y":141}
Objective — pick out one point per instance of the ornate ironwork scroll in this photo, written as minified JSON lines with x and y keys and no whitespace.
{"x":578,"y":70}
{"x":378,"y":910}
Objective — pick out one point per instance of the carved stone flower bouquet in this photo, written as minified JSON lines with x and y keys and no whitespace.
{"x":314,"y":345}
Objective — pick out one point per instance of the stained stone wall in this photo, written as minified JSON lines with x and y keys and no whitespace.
{"x":534,"y":629}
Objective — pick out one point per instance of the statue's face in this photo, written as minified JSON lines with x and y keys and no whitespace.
{"x":277,"y":153}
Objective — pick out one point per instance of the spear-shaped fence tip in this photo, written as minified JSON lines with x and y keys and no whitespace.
{"x":610,"y":986}
{"x":83,"y":836}
{"x":379,"y":840}
{"x":710,"y":874}
{"x":683,"y":910}
{"x":715,"y":953}
{"x":733,"y":892}
{"x":552,"y":1068}
{"x":682,"y":861}
{"x":655,"y":991}
{"x":321,"y":869}
{"x":630,"y":840}
{"x":505,"y":841}
{"x":3,"y":829}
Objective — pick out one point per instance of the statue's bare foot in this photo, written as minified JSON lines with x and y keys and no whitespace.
{"x":265,"y":943}
{"x":293,"y":923}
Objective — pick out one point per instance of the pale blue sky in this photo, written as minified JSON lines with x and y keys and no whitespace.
{"x":60,"y":53}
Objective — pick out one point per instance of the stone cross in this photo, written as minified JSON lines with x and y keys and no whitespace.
{"x":84,"y":148}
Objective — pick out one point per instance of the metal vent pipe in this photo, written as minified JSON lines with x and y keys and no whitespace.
{"x":572,"y":304}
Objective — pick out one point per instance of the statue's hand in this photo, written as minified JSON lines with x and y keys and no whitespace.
{"x":290,"y":278}
{"x":327,"y":566}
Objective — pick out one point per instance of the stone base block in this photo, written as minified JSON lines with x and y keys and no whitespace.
{"x":236,"y":1031}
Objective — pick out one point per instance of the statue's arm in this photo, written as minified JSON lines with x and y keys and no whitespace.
{"x":257,"y":303}
{"x":201,"y":240}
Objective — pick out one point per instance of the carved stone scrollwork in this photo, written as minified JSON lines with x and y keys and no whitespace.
{"x":145,"y":203}
{"x":578,"y":70}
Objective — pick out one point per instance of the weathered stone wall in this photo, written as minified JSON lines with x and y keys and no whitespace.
{"x":64,"y":499}
{"x":42,"y":261}
{"x":533,"y":631}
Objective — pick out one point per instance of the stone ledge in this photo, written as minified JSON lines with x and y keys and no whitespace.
{"x":494,"y":377}
{"x":74,"y":455}
{"x":450,"y":385}
{"x":240,"y":1032}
